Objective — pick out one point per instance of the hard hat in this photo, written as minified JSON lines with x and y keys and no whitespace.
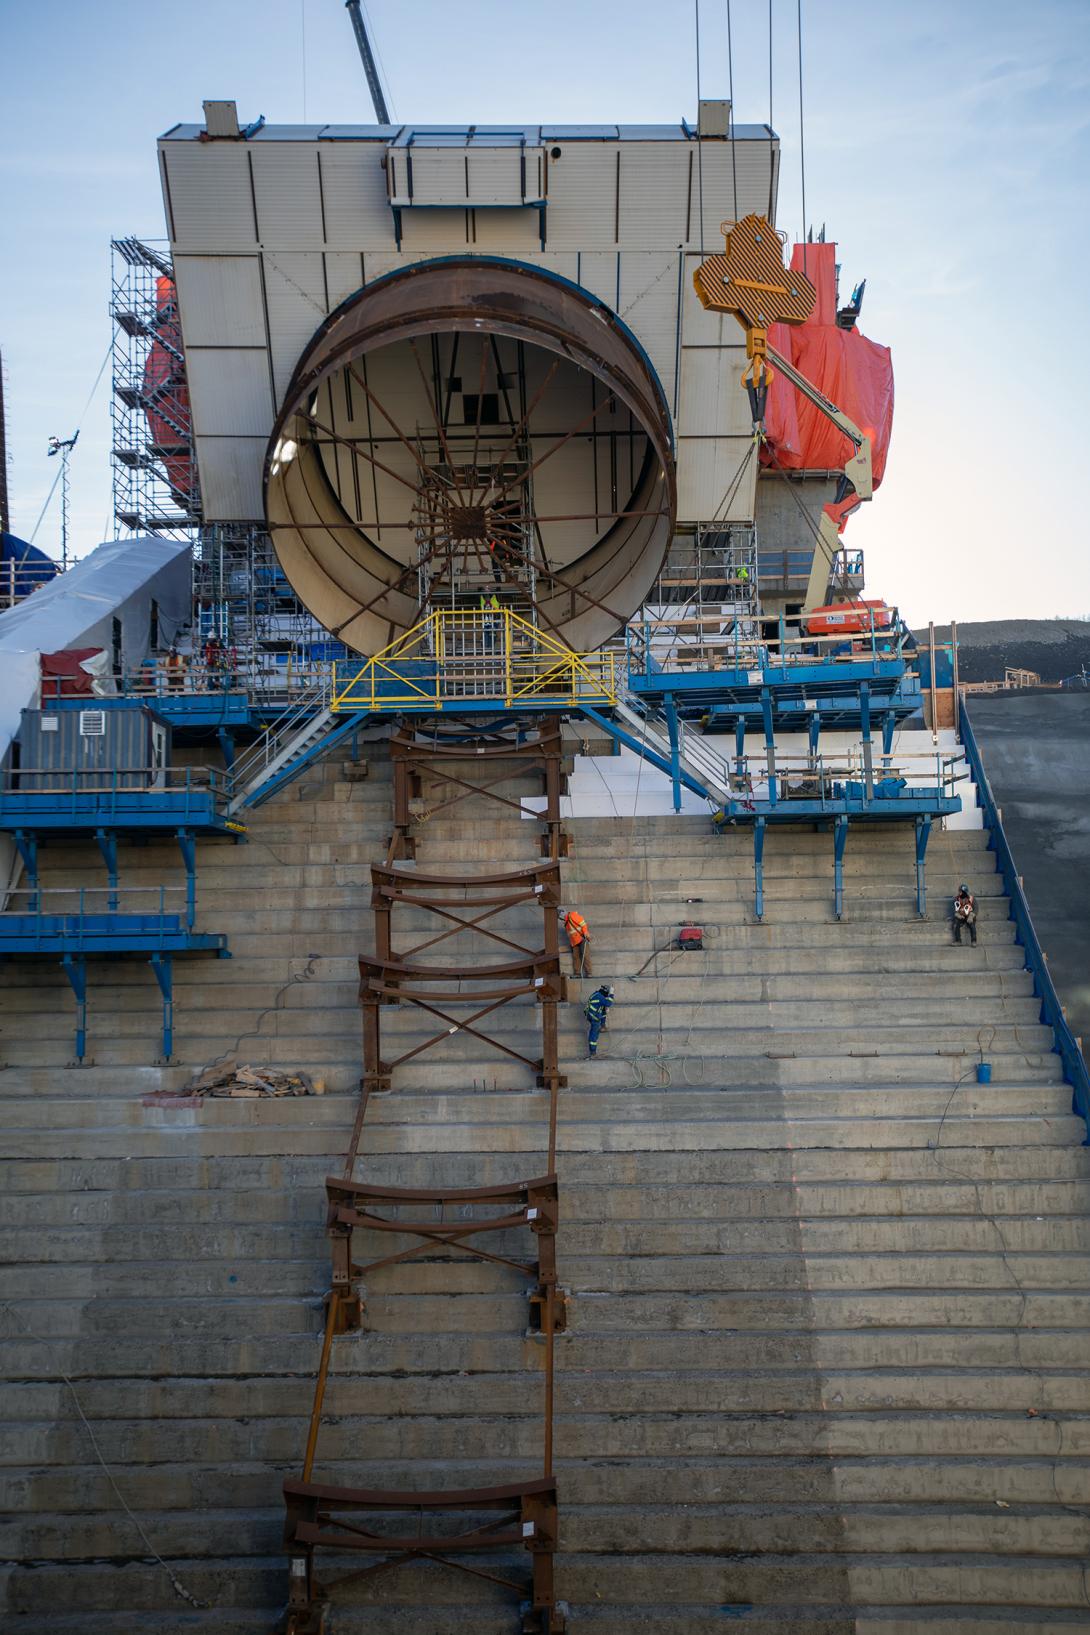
{"x":964,"y":888}
{"x":610,"y":989}
{"x":562,"y":912}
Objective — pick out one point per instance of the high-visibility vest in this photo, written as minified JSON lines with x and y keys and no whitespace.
{"x":576,"y":927}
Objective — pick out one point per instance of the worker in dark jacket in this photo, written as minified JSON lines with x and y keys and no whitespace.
{"x":596,"y":1010}
{"x":965,"y":913}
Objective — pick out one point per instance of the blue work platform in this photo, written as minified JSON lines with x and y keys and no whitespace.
{"x":71,"y":937}
{"x":908,"y":803}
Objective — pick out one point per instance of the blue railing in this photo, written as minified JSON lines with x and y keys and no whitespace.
{"x":1052,"y":1015}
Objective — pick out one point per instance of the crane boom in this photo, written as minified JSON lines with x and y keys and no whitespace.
{"x":370,"y":67}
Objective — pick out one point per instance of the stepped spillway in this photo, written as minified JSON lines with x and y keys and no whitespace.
{"x":826,"y":1363}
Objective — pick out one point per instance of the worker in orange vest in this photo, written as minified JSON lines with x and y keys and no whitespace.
{"x":579,"y":937}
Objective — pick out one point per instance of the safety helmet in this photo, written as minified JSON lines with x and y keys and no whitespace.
{"x":609,"y":989}
{"x":562,"y":912}
{"x":963,"y":889}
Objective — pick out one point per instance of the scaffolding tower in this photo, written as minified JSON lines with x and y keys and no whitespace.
{"x":155,"y":484}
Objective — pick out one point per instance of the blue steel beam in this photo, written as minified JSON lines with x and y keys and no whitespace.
{"x":649,"y":755}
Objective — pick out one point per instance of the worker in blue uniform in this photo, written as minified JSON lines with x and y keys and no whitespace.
{"x":596,"y":1010}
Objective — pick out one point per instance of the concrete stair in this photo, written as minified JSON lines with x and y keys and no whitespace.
{"x":826,"y":1368}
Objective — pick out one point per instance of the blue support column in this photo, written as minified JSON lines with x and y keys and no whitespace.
{"x":162,"y":965}
{"x":889,"y":727}
{"x":923,"y":831}
{"x":759,"y":868}
{"x":840,"y":840}
{"x":868,"y":756}
{"x":107,"y":845}
{"x":75,"y":969}
{"x":740,"y":745}
{"x":669,"y":704}
{"x":189,"y":857}
{"x":27,"y":847}
{"x":770,"y":742}
{"x":227,"y":745}
{"x":814,"y":731}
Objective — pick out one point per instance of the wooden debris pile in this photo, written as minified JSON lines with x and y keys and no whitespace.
{"x":231,"y":1079}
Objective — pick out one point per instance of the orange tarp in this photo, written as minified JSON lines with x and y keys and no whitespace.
{"x":854,"y":373}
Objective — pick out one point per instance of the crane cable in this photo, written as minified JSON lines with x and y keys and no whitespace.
{"x":699,"y":143}
{"x":730,"y":131}
{"x":802,"y":139}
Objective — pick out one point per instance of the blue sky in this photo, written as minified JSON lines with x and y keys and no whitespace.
{"x":947,"y":151}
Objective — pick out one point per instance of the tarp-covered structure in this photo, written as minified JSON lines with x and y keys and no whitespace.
{"x":118,"y":581}
{"x":853,"y":372}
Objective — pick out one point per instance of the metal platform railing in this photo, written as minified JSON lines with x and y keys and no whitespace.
{"x":714,"y":639}
{"x":474,"y":656}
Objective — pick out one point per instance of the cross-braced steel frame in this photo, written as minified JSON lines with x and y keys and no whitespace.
{"x":487,"y":1523}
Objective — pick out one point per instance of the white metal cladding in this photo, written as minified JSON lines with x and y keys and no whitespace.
{"x":230,"y":391}
{"x":344,"y":275}
{"x":656,"y":184}
{"x":617,"y":212}
{"x":209,"y":196}
{"x":230,"y":469}
{"x":220,"y":301}
{"x":357,"y":215}
{"x":514,"y":232}
{"x":288,"y":195}
{"x":295,"y":293}
{"x":582,"y":192}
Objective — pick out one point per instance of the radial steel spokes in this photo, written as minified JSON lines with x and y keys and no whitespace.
{"x":438,"y":420}
{"x":354,"y":444}
{"x":521,"y":430}
{"x":392,"y":423}
{"x":559,"y":444}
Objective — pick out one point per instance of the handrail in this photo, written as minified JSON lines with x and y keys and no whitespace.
{"x":1066,"y":1045}
{"x":654,"y":642}
{"x":265,"y":748}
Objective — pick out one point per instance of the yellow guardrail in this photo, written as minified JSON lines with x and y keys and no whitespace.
{"x":462,"y":656}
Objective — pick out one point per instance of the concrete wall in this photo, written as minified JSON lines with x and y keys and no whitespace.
{"x":1036,"y":752}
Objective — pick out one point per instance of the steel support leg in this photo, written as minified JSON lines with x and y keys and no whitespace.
{"x":107,"y":845}
{"x":923,"y":831}
{"x":75,"y":969}
{"x":27,"y":847}
{"x":669,"y":705}
{"x":868,"y":754}
{"x":759,"y":867}
{"x":740,"y":745}
{"x":227,"y":745}
{"x":889,"y":727}
{"x":840,"y":840}
{"x":162,"y":965}
{"x":814,"y":732}
{"x":770,"y":742}
{"x":188,"y":846}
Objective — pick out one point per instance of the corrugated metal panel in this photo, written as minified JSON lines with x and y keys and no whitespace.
{"x":582,"y":197}
{"x":219,"y":298}
{"x":230,"y":469}
{"x":514,"y":232}
{"x":649,"y":307}
{"x":579,"y":133}
{"x":699,"y":326}
{"x":496,"y":175}
{"x":360,"y":133}
{"x":564,"y":263}
{"x":753,"y":160}
{"x":438,"y":175}
{"x":357,"y":214}
{"x":230,"y":392}
{"x":712,"y":400}
{"x":288,"y":133}
{"x":295,"y":292}
{"x":598,"y":273}
{"x":441,"y":231}
{"x":289,"y":203}
{"x":651,"y":133}
{"x":706,"y":469}
{"x":654,"y":196}
{"x":343,"y":275}
{"x":211,"y":203}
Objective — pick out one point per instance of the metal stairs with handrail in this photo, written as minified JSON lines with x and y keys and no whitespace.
{"x":305,"y":730}
{"x":700,"y":768}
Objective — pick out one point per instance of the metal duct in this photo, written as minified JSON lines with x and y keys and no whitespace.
{"x":458,"y":404}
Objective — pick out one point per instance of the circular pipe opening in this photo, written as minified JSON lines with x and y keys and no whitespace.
{"x":465,"y":427}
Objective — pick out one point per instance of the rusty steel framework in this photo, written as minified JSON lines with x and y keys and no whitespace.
{"x":450,"y":1524}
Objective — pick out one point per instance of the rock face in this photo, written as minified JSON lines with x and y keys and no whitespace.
{"x":1054,"y":648}
{"x":826,"y":1367}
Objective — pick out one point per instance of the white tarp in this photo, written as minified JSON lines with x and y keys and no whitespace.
{"x":118,"y":580}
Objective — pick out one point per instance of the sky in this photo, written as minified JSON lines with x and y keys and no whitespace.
{"x":947,"y":150}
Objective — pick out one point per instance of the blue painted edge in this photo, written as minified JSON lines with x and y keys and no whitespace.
{"x":1066,"y":1045}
